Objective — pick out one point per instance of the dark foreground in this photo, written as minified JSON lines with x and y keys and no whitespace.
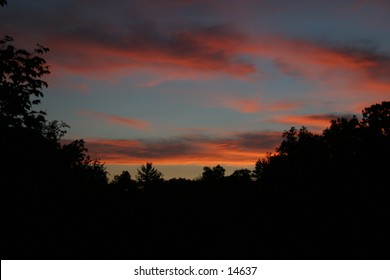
{"x":178,"y":220}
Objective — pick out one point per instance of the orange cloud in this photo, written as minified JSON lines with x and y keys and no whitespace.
{"x":381,"y":88}
{"x":251,"y":105}
{"x":197,"y":52}
{"x":135,"y":123}
{"x":239,"y":149}
{"x":131,"y":41}
{"x":354,"y":69}
{"x":146,"y":46}
{"x":242,"y":105}
{"x":193,"y":53}
{"x":316,"y":122}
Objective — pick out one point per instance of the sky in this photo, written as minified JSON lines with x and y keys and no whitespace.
{"x":193,"y":83}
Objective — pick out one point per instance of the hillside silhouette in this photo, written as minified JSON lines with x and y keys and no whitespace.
{"x":318,"y":196}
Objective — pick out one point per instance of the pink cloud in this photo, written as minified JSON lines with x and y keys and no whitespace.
{"x":252,"y":105}
{"x":187,"y":55}
{"x":353,"y":69}
{"x":134,"y":123}
{"x":242,"y":105}
{"x":239,"y":149}
{"x":316,"y":122}
{"x":202,"y":49}
{"x":198,"y":52}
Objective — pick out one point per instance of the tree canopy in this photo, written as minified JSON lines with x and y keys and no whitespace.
{"x":21,"y":85}
{"x":148,"y":175}
{"x":26,"y":133}
{"x":214,"y":174}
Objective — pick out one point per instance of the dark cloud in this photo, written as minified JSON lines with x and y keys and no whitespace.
{"x":237,"y":148}
{"x":369,"y":58}
{"x":129,"y":31}
{"x":203,"y":48}
{"x":255,"y":140}
{"x":327,"y":117}
{"x":362,"y":55}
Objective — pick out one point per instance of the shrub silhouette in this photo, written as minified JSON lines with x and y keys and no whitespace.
{"x":148,"y":176}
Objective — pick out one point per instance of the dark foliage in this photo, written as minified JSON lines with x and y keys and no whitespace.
{"x":148,"y":176}
{"x":21,"y":85}
{"x":41,"y":178}
{"x":213,"y":175}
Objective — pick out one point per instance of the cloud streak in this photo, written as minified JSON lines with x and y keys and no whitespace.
{"x":317,"y":122}
{"x":252,"y":105}
{"x":237,"y":149}
{"x":183,"y":50}
{"x":222,"y":50}
{"x":131,"y":122}
{"x":211,"y":48}
{"x":352,"y":67}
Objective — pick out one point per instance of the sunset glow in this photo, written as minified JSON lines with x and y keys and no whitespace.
{"x":197,"y":83}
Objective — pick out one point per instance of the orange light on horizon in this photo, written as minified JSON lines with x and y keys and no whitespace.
{"x":197,"y":153}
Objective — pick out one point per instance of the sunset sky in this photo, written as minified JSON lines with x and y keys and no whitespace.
{"x":189,"y":83}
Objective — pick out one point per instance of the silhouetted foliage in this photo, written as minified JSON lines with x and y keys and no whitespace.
{"x":124,"y":181}
{"x":42,"y":179}
{"x":3,"y":3}
{"x":260,"y":166}
{"x":80,"y":167}
{"x":21,"y":85}
{"x":147,"y":175}
{"x":242,"y":176}
{"x":54,"y":130}
{"x":376,"y":118}
{"x":318,"y":196}
{"x":28,"y":135}
{"x":213,"y":175}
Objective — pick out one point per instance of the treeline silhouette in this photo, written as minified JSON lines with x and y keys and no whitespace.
{"x":316,"y":197}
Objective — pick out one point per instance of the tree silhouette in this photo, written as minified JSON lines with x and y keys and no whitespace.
{"x":260,"y":167}
{"x":55,"y":130}
{"x":343,"y":138}
{"x":123,"y":181}
{"x":3,"y":3}
{"x":318,"y":196}
{"x":147,"y":175}
{"x":377,"y":118}
{"x":288,"y":146}
{"x":21,"y":85}
{"x":241,"y":176}
{"x":80,"y":167}
{"x":26,"y":133}
{"x":215,"y":174}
